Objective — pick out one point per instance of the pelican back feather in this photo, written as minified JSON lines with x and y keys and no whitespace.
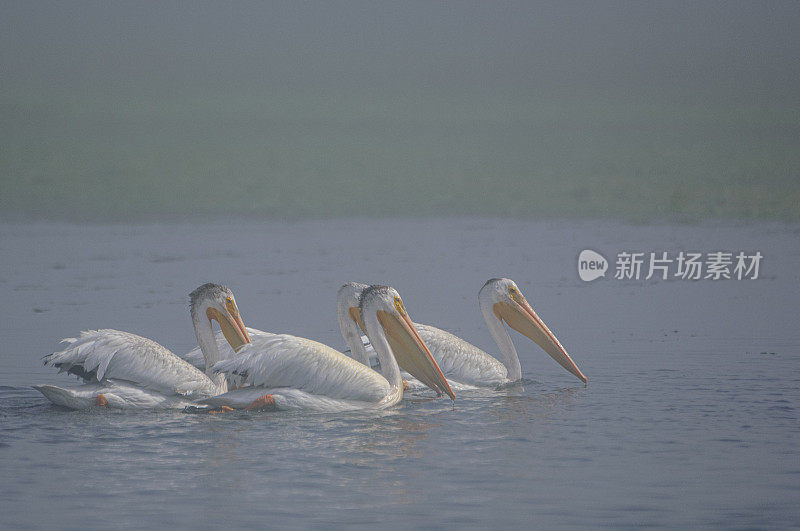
{"x":285,"y":361}
{"x":460,"y":360}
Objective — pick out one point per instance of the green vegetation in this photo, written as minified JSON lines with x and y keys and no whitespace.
{"x":295,"y":154}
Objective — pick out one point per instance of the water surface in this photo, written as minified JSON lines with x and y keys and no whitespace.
{"x":690,"y":416}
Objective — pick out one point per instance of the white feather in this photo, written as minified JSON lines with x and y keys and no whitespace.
{"x":118,"y":395}
{"x":196,"y":358}
{"x":464,"y":365}
{"x":132,"y":360}
{"x":461,"y":361}
{"x":285,"y":361}
{"x":285,"y":399}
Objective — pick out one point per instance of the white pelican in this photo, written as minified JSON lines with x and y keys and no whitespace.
{"x":124,"y":370}
{"x":347,"y":301}
{"x":463,"y":363}
{"x":288,"y":372}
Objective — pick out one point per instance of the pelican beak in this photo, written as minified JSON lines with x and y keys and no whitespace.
{"x":411,"y":352}
{"x":520,"y":316}
{"x":355,"y":315}
{"x":231,"y":324}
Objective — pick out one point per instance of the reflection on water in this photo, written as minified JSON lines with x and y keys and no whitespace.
{"x":390,"y":437}
{"x":531,"y":408}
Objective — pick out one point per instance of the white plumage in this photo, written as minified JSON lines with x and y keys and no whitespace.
{"x":465,"y":365}
{"x":461,"y":362}
{"x":281,"y":360}
{"x":124,"y":370}
{"x":99,"y":355}
{"x":299,"y":373}
{"x":119,"y":395}
{"x":195,"y":356}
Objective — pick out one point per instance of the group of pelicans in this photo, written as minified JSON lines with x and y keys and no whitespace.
{"x":245,"y":368}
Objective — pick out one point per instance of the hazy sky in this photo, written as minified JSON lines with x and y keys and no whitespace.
{"x":372,"y":44}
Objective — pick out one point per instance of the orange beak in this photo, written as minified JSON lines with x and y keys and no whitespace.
{"x":411,"y":352}
{"x":231,"y":325}
{"x":520,"y":316}
{"x":355,"y":315}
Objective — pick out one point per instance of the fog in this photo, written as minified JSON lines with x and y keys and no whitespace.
{"x":600,"y":109}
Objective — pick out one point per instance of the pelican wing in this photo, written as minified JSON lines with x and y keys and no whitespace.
{"x":460,"y":360}
{"x":285,"y":361}
{"x":107,"y":355}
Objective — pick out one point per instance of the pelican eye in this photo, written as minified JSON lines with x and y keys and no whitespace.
{"x":398,"y":304}
{"x":231,"y":306}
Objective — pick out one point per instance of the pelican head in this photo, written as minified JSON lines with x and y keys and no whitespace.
{"x":348,"y":300}
{"x":509,"y":304}
{"x":217,"y":303}
{"x":407,"y":346}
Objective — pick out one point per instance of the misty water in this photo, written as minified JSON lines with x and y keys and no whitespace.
{"x":690,"y":416}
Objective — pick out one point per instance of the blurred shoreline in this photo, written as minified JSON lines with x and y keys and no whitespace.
{"x":323,"y":156}
{"x":674,"y":112}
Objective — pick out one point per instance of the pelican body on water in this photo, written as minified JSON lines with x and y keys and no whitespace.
{"x":124,"y":370}
{"x":288,"y":372}
{"x":464,"y":364}
{"x":282,"y":371}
